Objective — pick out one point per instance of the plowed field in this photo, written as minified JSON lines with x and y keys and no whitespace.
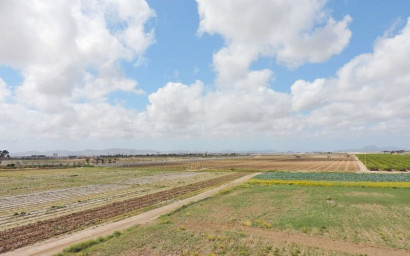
{"x":300,"y":163}
{"x":31,"y":233}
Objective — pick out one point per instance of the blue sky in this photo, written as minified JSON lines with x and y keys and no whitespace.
{"x":204,"y":75}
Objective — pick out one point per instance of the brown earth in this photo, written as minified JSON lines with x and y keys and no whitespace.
{"x":303,"y":163}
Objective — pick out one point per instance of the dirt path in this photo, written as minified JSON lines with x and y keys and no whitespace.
{"x":305,"y":240}
{"x":362,"y":167}
{"x":56,"y":245}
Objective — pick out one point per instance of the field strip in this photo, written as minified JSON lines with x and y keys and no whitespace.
{"x":305,"y":240}
{"x":324,"y":183}
{"x":55,"y":245}
{"x":54,"y":195}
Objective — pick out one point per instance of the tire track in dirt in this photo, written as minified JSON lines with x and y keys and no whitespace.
{"x":302,"y":239}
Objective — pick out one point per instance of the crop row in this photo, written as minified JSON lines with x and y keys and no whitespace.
{"x":333,"y":176}
{"x":385,"y":161}
{"x":34,"y":232}
{"x":367,"y":184}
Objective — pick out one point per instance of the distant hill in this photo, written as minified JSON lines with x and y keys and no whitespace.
{"x":371,"y":148}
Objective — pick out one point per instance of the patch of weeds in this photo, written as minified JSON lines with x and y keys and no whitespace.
{"x":262,"y":224}
{"x":81,"y":246}
{"x":54,"y":207}
{"x":165,"y":220}
{"x":231,"y":220}
{"x":294,"y":249}
{"x":226,"y":191}
{"x":243,"y":250}
{"x":265,"y":251}
{"x":22,"y":213}
{"x":78,"y":248}
{"x":179,"y":209}
{"x":247,"y":223}
{"x":211,"y":237}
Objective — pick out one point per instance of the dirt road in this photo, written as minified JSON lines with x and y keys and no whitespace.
{"x":56,"y":245}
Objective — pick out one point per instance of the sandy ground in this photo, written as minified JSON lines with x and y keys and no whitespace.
{"x":56,"y":245}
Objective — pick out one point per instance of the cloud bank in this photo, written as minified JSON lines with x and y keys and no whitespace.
{"x":69,"y":54}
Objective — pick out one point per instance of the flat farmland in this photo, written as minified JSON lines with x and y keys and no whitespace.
{"x":300,"y":163}
{"x":37,"y":204}
{"x":257,"y":219}
{"x":28,"y":196}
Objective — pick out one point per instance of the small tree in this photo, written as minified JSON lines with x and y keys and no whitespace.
{"x":3,"y":154}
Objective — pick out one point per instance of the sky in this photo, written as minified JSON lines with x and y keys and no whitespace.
{"x":205,"y":75}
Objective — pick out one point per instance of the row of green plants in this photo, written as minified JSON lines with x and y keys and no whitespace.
{"x":387,"y":162}
{"x":334,"y":176}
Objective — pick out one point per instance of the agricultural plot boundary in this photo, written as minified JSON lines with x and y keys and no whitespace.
{"x":24,"y":235}
{"x":335,"y":179}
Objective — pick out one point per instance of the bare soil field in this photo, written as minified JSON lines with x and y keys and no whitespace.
{"x":302,"y":163}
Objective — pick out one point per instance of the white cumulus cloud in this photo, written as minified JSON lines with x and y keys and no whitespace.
{"x":295,"y":32}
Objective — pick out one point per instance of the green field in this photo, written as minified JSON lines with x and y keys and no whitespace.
{"x":243,"y":221}
{"x":385,"y":162}
{"x":332,"y":176}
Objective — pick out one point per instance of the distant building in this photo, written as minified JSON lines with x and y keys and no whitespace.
{"x":55,"y":155}
{"x":38,"y":156}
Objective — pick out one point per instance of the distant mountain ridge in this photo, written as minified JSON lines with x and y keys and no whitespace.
{"x":372,"y":148}
{"x":127,"y":151}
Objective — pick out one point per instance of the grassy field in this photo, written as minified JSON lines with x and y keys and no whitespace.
{"x":245,"y":221}
{"x":387,"y":162}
